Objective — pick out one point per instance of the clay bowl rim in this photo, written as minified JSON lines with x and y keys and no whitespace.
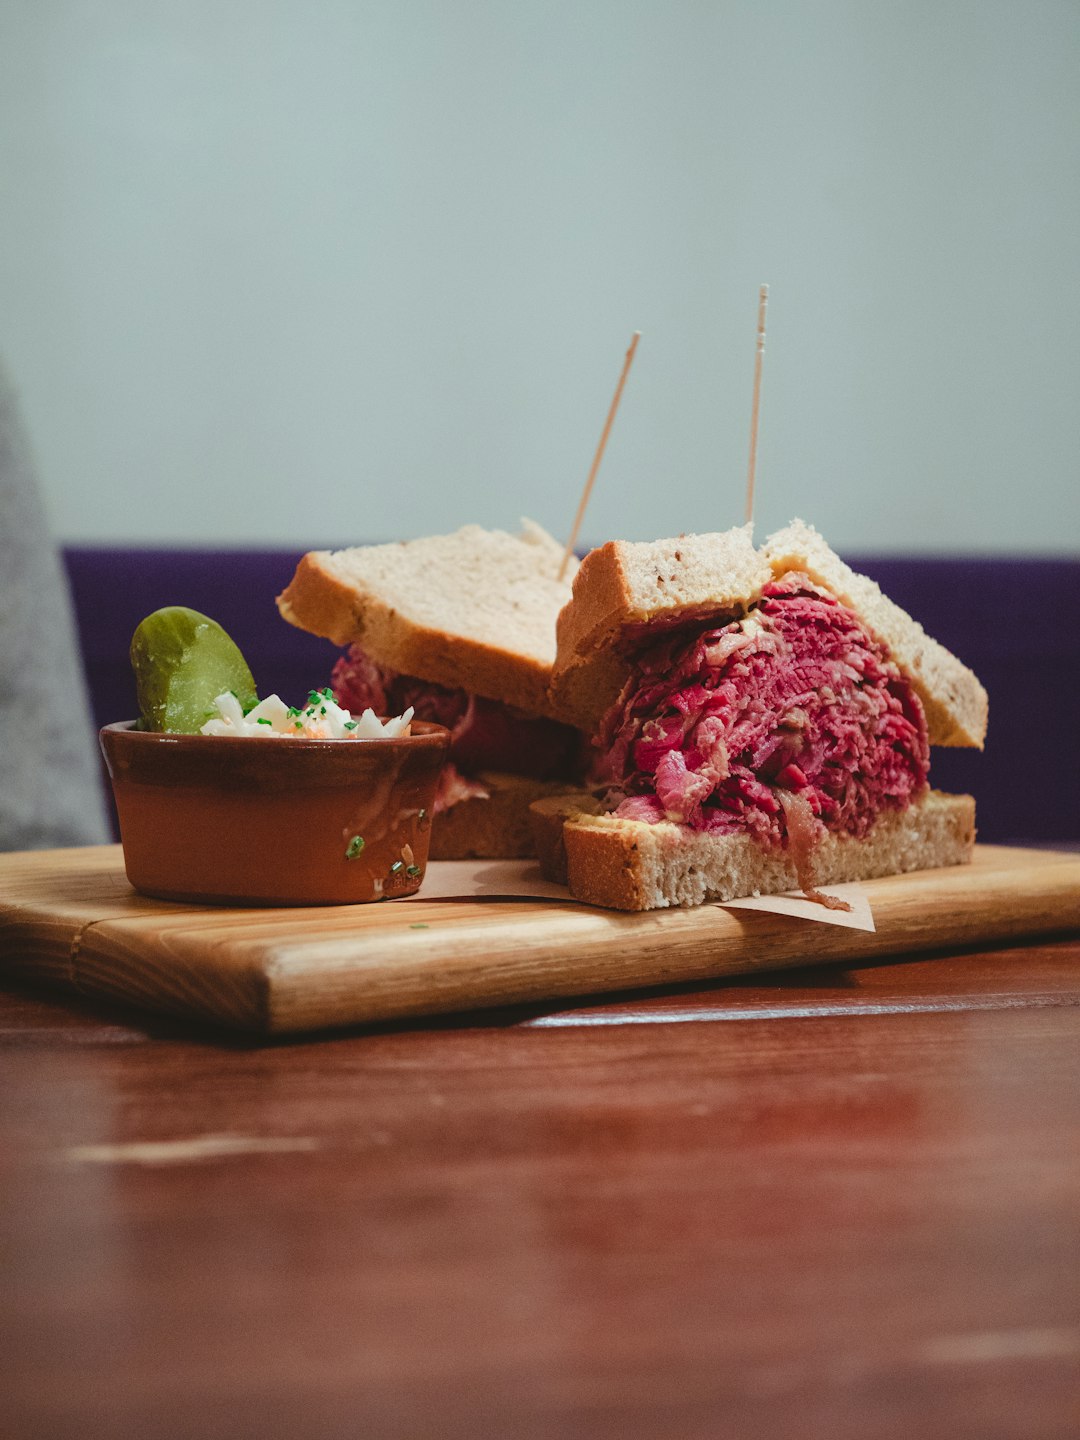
{"x":422,"y":733}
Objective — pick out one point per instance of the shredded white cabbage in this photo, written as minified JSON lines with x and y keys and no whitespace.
{"x":322,"y":719}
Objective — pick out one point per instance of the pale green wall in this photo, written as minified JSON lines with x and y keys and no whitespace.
{"x":305,"y":270}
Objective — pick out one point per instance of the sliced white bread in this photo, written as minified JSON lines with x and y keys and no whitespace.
{"x":623,"y":585}
{"x":630,"y":865}
{"x":474,"y":610}
{"x":496,"y":828}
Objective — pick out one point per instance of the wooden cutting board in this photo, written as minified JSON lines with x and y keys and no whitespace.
{"x":70,"y":919}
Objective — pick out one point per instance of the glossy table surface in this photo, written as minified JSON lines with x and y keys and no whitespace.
{"x":834,"y":1203}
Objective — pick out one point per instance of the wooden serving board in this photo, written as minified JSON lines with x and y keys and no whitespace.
{"x":69,"y":918}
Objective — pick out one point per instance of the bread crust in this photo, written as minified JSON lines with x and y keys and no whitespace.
{"x":421,"y":608}
{"x":719,"y":576}
{"x":631,"y":865}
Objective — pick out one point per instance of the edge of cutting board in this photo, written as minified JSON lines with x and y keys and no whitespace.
{"x":69,"y":918}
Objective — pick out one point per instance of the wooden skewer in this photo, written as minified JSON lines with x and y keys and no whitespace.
{"x":763,"y":300}
{"x":599,"y":454}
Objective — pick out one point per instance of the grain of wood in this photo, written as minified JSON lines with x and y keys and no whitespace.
{"x":279,"y":971}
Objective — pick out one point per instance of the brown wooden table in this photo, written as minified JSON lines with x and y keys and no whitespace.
{"x":835,"y":1203}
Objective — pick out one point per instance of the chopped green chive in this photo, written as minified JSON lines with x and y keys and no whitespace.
{"x":351,"y":724}
{"x":355,"y":845}
{"x":262,"y":722}
{"x":412,"y":870}
{"x":396,"y":866}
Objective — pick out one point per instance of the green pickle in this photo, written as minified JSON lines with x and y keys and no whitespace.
{"x":183,"y":661}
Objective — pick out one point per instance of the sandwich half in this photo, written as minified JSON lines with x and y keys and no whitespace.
{"x":761,"y":720}
{"x":462,"y":628}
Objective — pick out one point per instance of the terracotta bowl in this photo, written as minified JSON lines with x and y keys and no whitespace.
{"x":274,"y":822}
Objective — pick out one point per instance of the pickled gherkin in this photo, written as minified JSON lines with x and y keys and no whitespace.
{"x":183,"y":661}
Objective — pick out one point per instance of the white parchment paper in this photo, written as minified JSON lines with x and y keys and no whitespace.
{"x":522,"y":880}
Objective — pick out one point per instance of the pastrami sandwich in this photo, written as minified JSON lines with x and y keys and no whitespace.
{"x":761,"y":719}
{"x":462,"y":628}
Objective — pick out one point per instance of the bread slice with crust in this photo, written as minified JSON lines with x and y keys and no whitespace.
{"x":474,"y":610}
{"x":631,"y":865}
{"x":624,"y":585}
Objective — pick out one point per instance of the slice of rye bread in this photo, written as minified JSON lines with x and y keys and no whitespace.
{"x":498,"y":828}
{"x":474,"y":610}
{"x":623,"y":585}
{"x":631,"y":865}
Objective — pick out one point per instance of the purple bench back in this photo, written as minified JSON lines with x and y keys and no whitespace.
{"x":1026,"y":782}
